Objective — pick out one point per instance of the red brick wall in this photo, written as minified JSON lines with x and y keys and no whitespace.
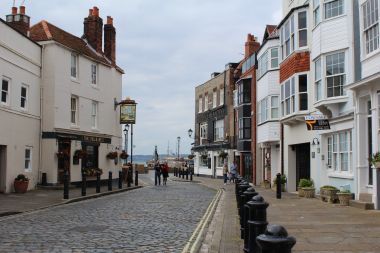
{"x":297,"y":62}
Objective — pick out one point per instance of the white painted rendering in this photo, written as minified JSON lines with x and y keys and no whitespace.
{"x":20,"y":63}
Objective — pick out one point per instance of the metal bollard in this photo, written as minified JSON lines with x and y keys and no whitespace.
{"x":120,"y":180}
{"x":187,"y":174}
{"x":136,"y":178}
{"x":278,"y":188}
{"x":257,"y":222}
{"x":191,"y":176}
{"x":244,"y":210}
{"x":110,"y":181}
{"x":128,"y":178}
{"x":97,"y":182}
{"x":275,"y":239}
{"x":183,"y":173}
{"x":84,"y":184}
{"x":242,"y":188}
{"x":66,"y":185}
{"x":131,"y":174}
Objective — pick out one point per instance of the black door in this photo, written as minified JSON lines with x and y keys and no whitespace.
{"x":302,"y":161}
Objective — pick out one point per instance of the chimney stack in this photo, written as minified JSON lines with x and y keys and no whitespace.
{"x":251,"y":45}
{"x":19,"y":21}
{"x":110,"y":40}
{"x":93,"y":29}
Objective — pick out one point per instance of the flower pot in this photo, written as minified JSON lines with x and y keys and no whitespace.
{"x":329,"y":195}
{"x":301,"y":192}
{"x":377,"y":165}
{"x":344,"y":198}
{"x":266,"y":184}
{"x":309,"y":192}
{"x":20,"y":186}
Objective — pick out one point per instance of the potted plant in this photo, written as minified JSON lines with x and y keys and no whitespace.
{"x":21,"y":183}
{"x":344,"y":197}
{"x":283,"y":182}
{"x":329,"y":193}
{"x":266,"y":184}
{"x":112,"y":155}
{"x":375,"y":160}
{"x":92,"y":171}
{"x":124,"y":155}
{"x":306,"y":188}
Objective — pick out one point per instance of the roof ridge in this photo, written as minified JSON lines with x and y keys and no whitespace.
{"x":46,"y":29}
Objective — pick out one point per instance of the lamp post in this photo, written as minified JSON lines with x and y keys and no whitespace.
{"x":190,"y":133}
{"x":178,"y":140}
{"x":126,"y":129}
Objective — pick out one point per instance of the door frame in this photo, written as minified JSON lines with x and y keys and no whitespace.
{"x":302,"y":147}
{"x":3,"y":168}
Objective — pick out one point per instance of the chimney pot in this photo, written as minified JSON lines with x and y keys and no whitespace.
{"x":90,"y":12}
{"x":22,"y":10}
{"x":14,"y":10}
{"x":109,"y":20}
{"x":96,"y":11}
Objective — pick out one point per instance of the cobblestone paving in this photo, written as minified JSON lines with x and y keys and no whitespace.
{"x":151,"y":219}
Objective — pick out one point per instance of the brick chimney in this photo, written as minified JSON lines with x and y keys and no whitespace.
{"x":110,"y":40}
{"x":251,"y":45}
{"x":93,"y":29}
{"x":19,"y":21}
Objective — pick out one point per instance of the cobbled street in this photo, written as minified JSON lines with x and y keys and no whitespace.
{"x":151,"y":219}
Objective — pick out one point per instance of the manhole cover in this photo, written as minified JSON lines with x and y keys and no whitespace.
{"x":90,"y":228}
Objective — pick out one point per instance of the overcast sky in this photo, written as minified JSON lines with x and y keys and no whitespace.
{"x":167,"y":48}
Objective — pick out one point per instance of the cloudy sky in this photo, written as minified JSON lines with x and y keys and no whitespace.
{"x":167,"y":48}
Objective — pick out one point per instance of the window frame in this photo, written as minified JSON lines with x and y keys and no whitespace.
{"x":76,"y":111}
{"x":336,"y":152}
{"x":318,"y":86}
{"x":214,"y":99}
{"x":221,"y":96}
{"x":94,"y":74}
{"x":329,"y":2}
{"x":74,"y":66}
{"x":7,"y":92}
{"x":370,"y":26}
{"x":26,"y":98}
{"x":317,"y":12}
{"x":334,"y":75}
{"x":28,"y":159}
{"x":219,"y":130}
{"x":94,"y":114}
{"x":272,"y":58}
{"x":266,"y":108}
{"x":244,"y":128}
{"x":290,"y":100}
{"x":200,"y":105}
{"x":303,"y":29}
{"x":206,"y":102}
{"x":203,"y":127}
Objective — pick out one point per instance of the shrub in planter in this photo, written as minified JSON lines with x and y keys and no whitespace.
{"x":306,"y":188}
{"x":344,"y":197}
{"x":21,"y":183}
{"x":329,"y":193}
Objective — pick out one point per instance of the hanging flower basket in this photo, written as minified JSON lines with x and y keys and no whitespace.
{"x":80,"y":153}
{"x":191,"y":157}
{"x":203,"y":156}
{"x":223,"y":154}
{"x":124,"y":155}
{"x":112,"y":155}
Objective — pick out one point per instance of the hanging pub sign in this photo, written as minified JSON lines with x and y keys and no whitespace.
{"x":128,"y":112}
{"x":317,"y":122}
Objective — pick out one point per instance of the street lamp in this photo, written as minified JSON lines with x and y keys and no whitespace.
{"x":126,"y":129}
{"x":190,"y":132}
{"x":178,"y":140}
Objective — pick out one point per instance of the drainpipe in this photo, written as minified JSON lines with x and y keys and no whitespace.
{"x":41,"y":113}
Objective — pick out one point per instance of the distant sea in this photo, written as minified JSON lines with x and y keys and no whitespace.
{"x":142,"y":159}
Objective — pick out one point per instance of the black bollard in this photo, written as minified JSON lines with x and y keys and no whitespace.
{"x":187,"y":174}
{"x":66,"y":185}
{"x":120,"y":180}
{"x":257,"y":222}
{"x":84,"y":185}
{"x":97,"y":182}
{"x":131,"y":175}
{"x":244,"y":210}
{"x":275,"y":239}
{"x":136,"y":178}
{"x":110,"y":181}
{"x":242,"y":188}
{"x":128,"y":178}
{"x":191,"y":176}
{"x":278,"y":188}
{"x":183,"y":173}
{"x":175,"y":172}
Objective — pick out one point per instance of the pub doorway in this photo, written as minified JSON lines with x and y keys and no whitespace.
{"x":64,"y":151}
{"x":3,"y":168}
{"x":302,"y":161}
{"x":91,"y":160}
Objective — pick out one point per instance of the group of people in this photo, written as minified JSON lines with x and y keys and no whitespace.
{"x":161,"y":169}
{"x":229,"y":175}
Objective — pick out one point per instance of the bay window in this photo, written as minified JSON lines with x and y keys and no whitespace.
{"x":287,"y":38}
{"x":288,"y":97}
{"x":244,"y":126}
{"x":333,"y":8}
{"x":267,"y":109}
{"x":263,"y":64}
{"x":302,"y":92}
{"x":371,"y":25}
{"x":244,"y":91}
{"x":318,"y":79}
{"x":267,"y":61}
{"x":335,"y":74}
{"x":339,"y":151}
{"x":274,"y":58}
{"x":302,"y":29}
{"x":316,"y":12}
{"x":294,"y":95}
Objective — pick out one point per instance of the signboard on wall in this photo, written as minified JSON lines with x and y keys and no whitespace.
{"x":128,"y":113}
{"x":317,"y":122}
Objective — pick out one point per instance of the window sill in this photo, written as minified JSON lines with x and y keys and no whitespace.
{"x":94,"y":86}
{"x":75,"y":80}
{"x":74,"y":127}
{"x":343,"y":175}
{"x":371,"y":55}
{"x":268,"y":121}
{"x":331,"y":100}
{"x":94,"y":129}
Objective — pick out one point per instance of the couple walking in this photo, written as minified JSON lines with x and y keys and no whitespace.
{"x":231,"y":174}
{"x":161,"y":169}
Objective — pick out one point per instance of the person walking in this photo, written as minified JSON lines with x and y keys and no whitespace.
{"x":233,"y":171}
{"x":225,"y":173}
{"x":165,"y":172}
{"x":157,"y":174}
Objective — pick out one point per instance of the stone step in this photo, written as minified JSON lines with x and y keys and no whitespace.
{"x":365,"y":197}
{"x":362,"y":205}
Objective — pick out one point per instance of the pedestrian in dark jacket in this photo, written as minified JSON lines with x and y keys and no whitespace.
{"x":165,"y":172}
{"x":157,"y":174}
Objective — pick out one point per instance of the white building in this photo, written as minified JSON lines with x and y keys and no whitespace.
{"x":268,"y":160}
{"x":20,"y":75}
{"x":80,"y":84}
{"x":367,"y":102}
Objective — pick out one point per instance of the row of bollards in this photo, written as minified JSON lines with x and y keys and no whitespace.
{"x":66,"y":180}
{"x":259,"y":237}
{"x":184,"y":173}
